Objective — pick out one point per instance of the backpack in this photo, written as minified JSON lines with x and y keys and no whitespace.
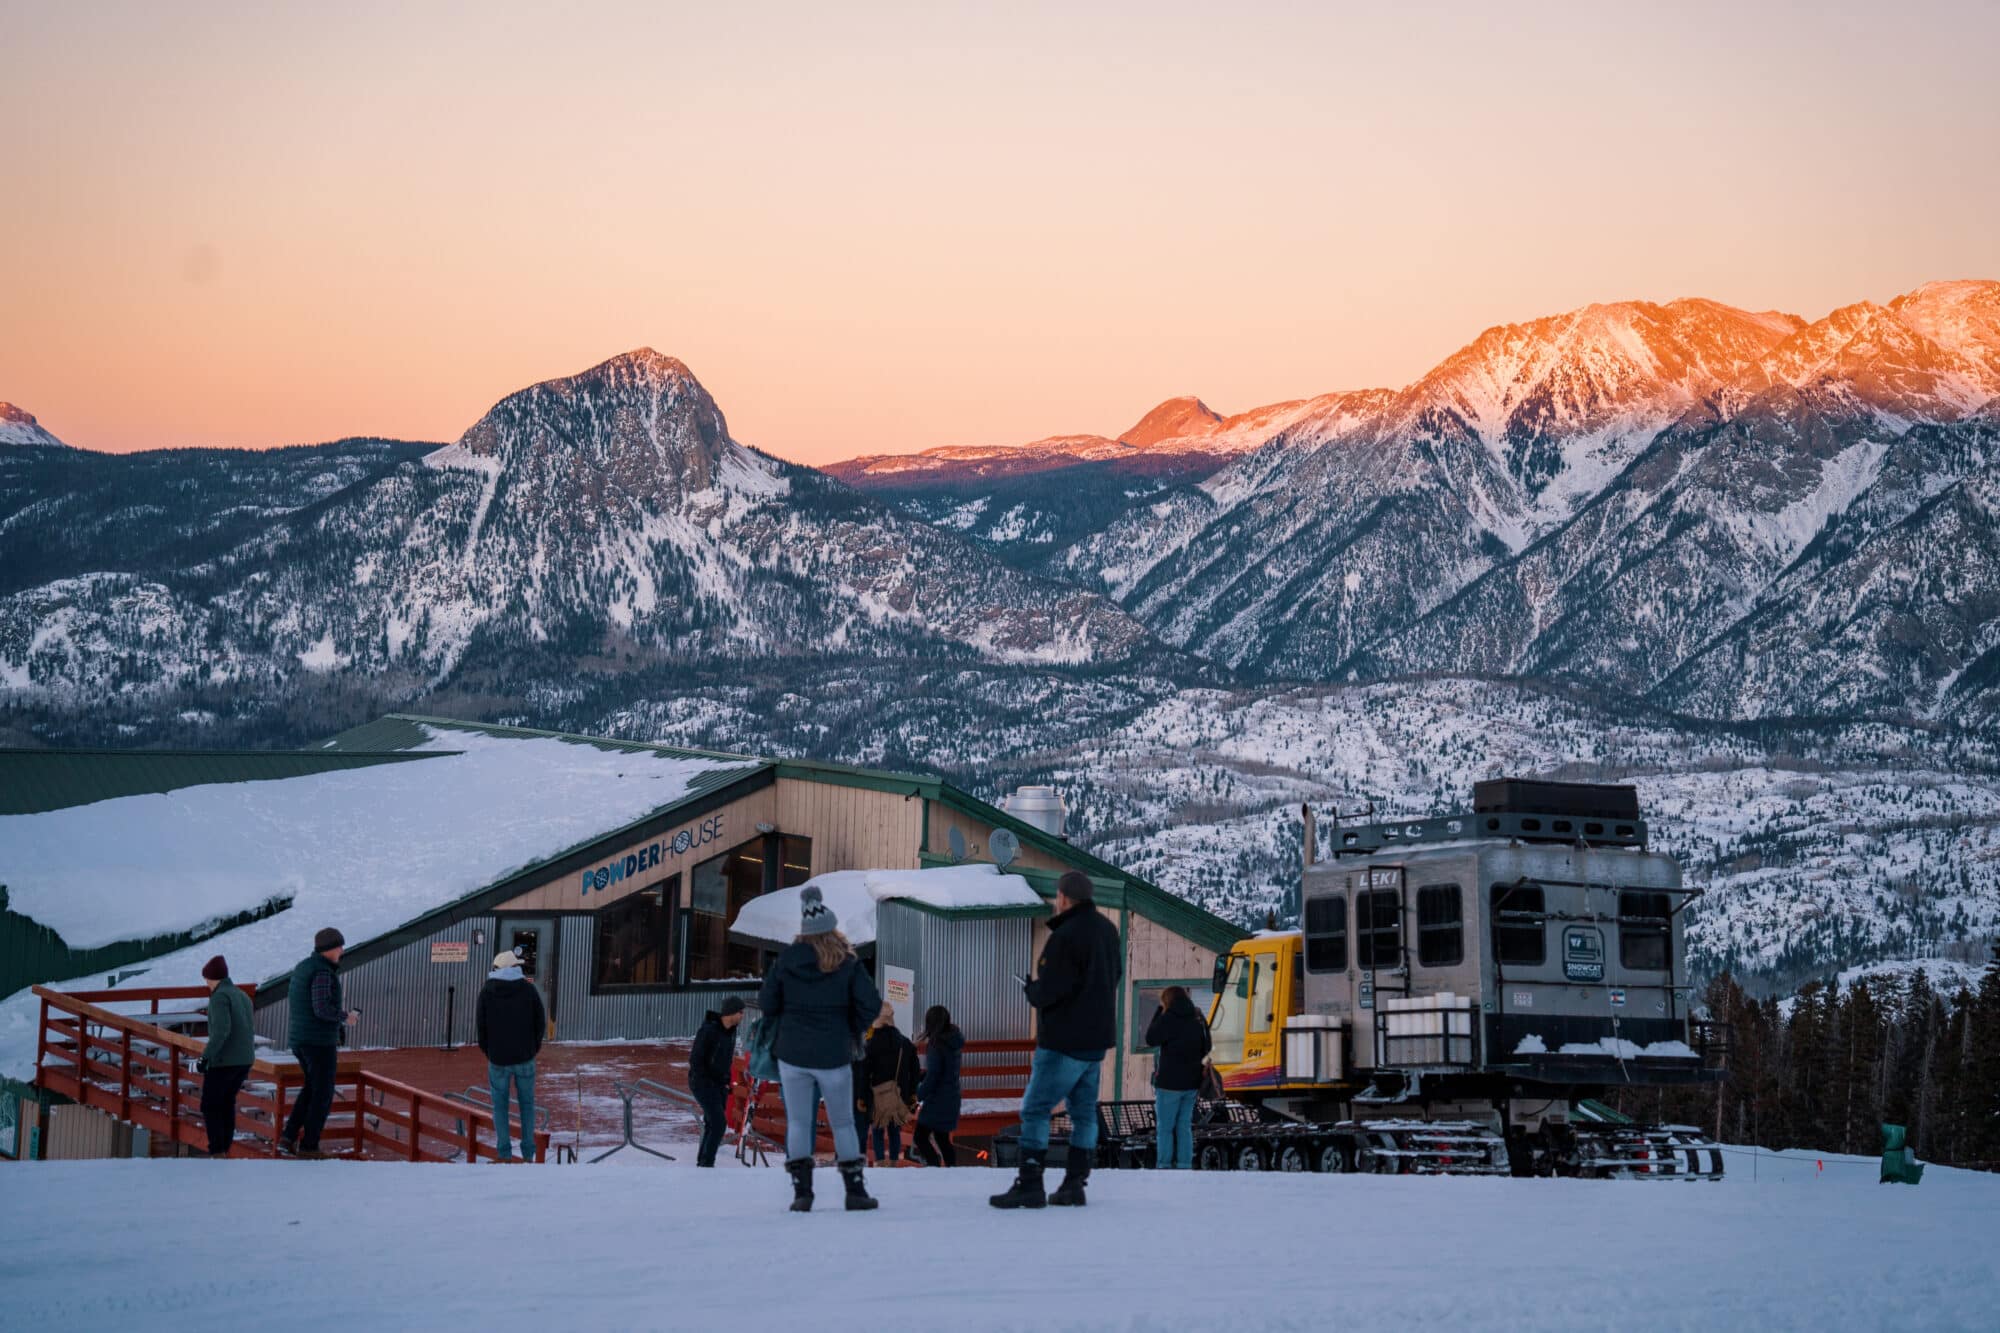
{"x":763,"y":1065}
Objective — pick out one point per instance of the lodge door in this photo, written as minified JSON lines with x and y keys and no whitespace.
{"x":534,"y":939}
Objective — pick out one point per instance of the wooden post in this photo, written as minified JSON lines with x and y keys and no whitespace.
{"x":360,"y":1121}
{"x":125,"y":1074}
{"x":174,"y":1098}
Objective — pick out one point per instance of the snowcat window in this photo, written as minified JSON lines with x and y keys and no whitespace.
{"x":1643,"y":922}
{"x":1263,"y":996}
{"x":1440,"y":926}
{"x":1326,"y":934}
{"x":1232,"y":1014}
{"x":1378,"y":928}
{"x":1515,"y":940}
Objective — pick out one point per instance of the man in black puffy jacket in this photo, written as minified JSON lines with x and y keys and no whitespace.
{"x":708,"y":1074}
{"x":1075,"y":995}
{"x":512,"y":1022}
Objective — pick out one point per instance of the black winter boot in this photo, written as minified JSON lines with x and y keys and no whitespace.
{"x":1027,"y":1188}
{"x":858,"y":1199}
{"x":802,"y":1183}
{"x":1069,"y":1194}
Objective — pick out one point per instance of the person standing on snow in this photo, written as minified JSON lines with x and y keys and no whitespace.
{"x":1075,"y":995}
{"x":512,"y":1023}
{"x":822,"y":1001}
{"x":225,"y":1061}
{"x":315,"y":1031}
{"x":887,"y":1091}
{"x":938,"y":1094}
{"x":708,"y":1074}
{"x":1180,"y":1034}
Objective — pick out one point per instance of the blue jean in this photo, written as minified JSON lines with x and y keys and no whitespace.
{"x":1173,"y":1112}
{"x":522,"y":1077}
{"x":887,"y":1141}
{"x":1071,"y":1079}
{"x":804,"y":1089}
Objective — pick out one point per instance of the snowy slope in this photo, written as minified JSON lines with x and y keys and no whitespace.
{"x":1811,"y":1243}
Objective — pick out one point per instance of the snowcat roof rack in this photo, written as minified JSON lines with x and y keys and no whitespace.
{"x":1539,"y":826}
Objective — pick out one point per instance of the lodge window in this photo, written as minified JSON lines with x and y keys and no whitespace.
{"x":717,"y":890}
{"x":635,"y":938}
{"x":1643,"y":922}
{"x":1515,"y":940}
{"x":1326,"y":934}
{"x":1378,"y":928}
{"x":1440,"y":926}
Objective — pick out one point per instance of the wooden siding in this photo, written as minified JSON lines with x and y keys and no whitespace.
{"x":564,"y":893}
{"x":852,"y":828}
{"x":1154,"y":953}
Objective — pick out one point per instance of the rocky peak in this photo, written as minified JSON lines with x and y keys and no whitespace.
{"x":1869,"y":358}
{"x":637,"y":433}
{"x":18,"y":426}
{"x":1186,"y":415}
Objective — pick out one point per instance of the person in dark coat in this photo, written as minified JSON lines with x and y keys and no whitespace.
{"x":822,"y":1001}
{"x":317,"y":1027}
{"x":225,"y":1061}
{"x":890,"y":1057}
{"x":708,"y":1074}
{"x":1075,"y":995}
{"x":512,"y":1023}
{"x":938,"y":1094}
{"x":1180,"y":1034}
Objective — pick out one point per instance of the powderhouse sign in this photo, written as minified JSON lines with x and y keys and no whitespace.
{"x":635,"y":863}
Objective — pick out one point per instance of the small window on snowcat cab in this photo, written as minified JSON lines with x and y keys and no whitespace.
{"x":1440,"y":926}
{"x":1378,"y":928}
{"x":1516,"y":940}
{"x":1326,"y":934}
{"x":1643,"y":920}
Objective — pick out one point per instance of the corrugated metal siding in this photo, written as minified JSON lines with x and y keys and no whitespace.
{"x":581,"y":1016}
{"x":968,"y":966}
{"x":403,"y":996}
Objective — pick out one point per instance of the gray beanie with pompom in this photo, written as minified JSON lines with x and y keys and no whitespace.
{"x":815,"y":917}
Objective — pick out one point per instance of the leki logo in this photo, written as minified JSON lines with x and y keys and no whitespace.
{"x":603,"y":877}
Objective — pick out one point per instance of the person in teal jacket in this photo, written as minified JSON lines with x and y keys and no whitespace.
{"x":225,"y":1061}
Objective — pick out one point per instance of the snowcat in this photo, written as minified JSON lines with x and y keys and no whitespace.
{"x":1459,"y":993}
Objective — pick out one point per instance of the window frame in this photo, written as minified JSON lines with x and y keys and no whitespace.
{"x":1503,"y":929}
{"x":773,"y":854}
{"x":1137,"y":1046}
{"x":1367,"y":954}
{"x":670,"y":909}
{"x":1312,"y":937}
{"x":1636,"y":925}
{"x":1454,"y":929}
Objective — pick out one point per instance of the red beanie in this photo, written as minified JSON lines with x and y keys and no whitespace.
{"x":215,"y":969}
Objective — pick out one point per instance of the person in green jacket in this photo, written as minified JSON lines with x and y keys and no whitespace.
{"x":225,"y":1062}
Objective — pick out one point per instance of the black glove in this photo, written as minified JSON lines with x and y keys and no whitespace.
{"x":201,"y":1066}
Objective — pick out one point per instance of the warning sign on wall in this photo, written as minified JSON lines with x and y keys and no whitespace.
{"x":899,"y":990}
{"x":451,"y":951}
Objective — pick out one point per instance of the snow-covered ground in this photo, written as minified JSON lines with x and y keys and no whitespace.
{"x":194,"y":1244}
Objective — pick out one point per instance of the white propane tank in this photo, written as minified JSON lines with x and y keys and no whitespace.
{"x":1041,"y":806}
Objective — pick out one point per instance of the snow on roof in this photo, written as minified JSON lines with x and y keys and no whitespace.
{"x":854,"y":894}
{"x":364,"y":850}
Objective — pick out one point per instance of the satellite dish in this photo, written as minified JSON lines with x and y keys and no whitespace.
{"x":1004,"y":846}
{"x":955,"y":840}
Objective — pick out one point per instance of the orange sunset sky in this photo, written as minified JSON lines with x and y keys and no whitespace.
{"x":882,"y":228}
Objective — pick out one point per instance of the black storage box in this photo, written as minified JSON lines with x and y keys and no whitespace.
{"x":1530,"y":796}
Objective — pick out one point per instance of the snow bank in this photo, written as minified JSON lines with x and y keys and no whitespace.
{"x":363,"y":849}
{"x":853,"y":895}
{"x":1628,"y":1050}
{"x":416,"y":1246}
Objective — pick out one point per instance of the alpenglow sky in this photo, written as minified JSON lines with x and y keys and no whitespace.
{"x":883,"y":228}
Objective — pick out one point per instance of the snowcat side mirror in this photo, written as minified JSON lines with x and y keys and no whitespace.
{"x":1220,"y":981}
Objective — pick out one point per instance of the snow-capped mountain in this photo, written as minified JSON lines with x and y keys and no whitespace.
{"x":606,"y":516}
{"x":18,"y":426}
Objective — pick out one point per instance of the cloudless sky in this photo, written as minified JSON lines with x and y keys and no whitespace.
{"x":878,"y":228}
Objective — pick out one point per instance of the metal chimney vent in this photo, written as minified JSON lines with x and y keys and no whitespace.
{"x":1040,"y":806}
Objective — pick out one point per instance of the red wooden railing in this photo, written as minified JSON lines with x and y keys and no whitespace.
{"x":999,"y":1079}
{"x":141,"y":1072}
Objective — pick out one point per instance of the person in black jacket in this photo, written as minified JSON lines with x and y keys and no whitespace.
{"x":1075,"y":995}
{"x":890,"y":1057}
{"x":1180,"y":1034}
{"x":511,"y":1025}
{"x":821,"y":1001}
{"x":708,"y":1074}
{"x":938,"y":1094}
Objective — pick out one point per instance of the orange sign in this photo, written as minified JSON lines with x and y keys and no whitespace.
{"x":451,"y":951}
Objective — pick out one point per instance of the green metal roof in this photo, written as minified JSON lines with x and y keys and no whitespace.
{"x":33,"y":782}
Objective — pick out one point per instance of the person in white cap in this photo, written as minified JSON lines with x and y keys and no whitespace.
{"x":511,"y":1024}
